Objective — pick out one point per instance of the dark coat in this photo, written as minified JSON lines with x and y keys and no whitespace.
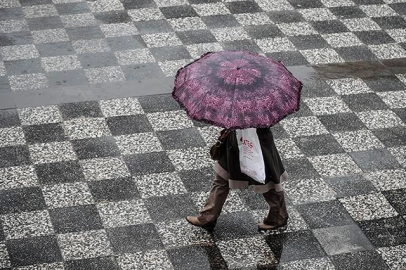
{"x":228,"y":166}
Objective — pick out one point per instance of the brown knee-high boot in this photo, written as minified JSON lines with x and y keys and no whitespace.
{"x":277,"y":215}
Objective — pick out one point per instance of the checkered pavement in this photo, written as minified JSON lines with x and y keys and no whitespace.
{"x":49,"y":43}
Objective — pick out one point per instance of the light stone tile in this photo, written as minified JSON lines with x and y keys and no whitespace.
{"x":169,"y":68}
{"x":105,"y":5}
{"x":66,"y":1}
{"x":90,"y":46}
{"x":66,"y":195}
{"x":4,"y":256}
{"x":169,"y":120}
{"x":50,"y":35}
{"x":327,"y":105}
{"x":361,"y":24}
{"x":335,"y":165}
{"x":28,"y":224}
{"x":161,"y":184}
{"x":275,"y":5}
{"x":394,"y":256}
{"x":394,"y":99}
{"x":178,"y":233}
{"x":11,"y":136}
{"x":119,"y":29}
{"x":104,"y":74}
{"x":148,"y":260}
{"x":146,"y":14}
{"x":120,"y":106}
{"x":253,"y":19}
{"x":60,"y":63}
{"x":287,"y":148}
{"x":11,"y":26}
{"x":400,"y":154}
{"x":169,"y":3}
{"x":360,"y":140}
{"x":18,"y":177}
{"x":76,"y":245}
{"x":233,"y":202}
{"x":304,"y":126}
{"x":161,"y":40}
{"x":317,"y":14}
{"x":209,"y":134}
{"x":380,"y":119}
{"x":388,"y":179}
{"x":190,"y":159}
{"x":388,"y":51}
{"x":399,"y":35}
{"x":9,"y":4}
{"x":132,"y":57}
{"x":19,"y":52}
{"x":187,"y":23}
{"x":230,"y":34}
{"x":197,"y":50}
{"x":77,"y":20}
{"x":28,"y":82}
{"x":349,"y":86}
{"x":51,"y":152}
{"x":211,"y":9}
{"x":345,"y":39}
{"x":322,"y":56}
{"x":81,"y":128}
{"x":138,"y":143}
{"x":308,"y":191}
{"x":337,"y":3}
{"x":368,"y":206}
{"x":277,"y":44}
{"x":104,"y":168}
{"x":37,"y":11}
{"x":123,"y":213}
{"x":297,"y":29}
{"x":402,"y":78}
{"x":378,"y":10}
{"x":2,"y":69}
{"x":40,"y":115}
{"x":314,"y":263}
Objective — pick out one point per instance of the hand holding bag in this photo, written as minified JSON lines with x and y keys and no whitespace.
{"x":219,"y":147}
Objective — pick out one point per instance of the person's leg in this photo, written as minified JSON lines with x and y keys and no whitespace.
{"x":213,"y":206}
{"x":277,"y":215}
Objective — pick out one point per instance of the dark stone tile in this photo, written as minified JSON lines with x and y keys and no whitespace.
{"x":178,"y":12}
{"x":4,"y":85}
{"x":391,"y":22}
{"x":196,"y":36}
{"x":253,"y":200}
{"x":11,"y":13}
{"x":368,"y":2}
{"x":356,"y":53}
{"x":348,"y":12}
{"x":119,"y":189}
{"x":170,"y":53}
{"x":374,"y":160}
{"x":294,"y":246}
{"x":196,"y":2}
{"x":293,"y":58}
{"x":351,"y":185}
{"x":243,"y":7}
{"x":182,"y":138}
{"x":235,"y":225}
{"x":285,"y":16}
{"x":151,"y":27}
{"x":401,"y":113}
{"x":18,"y":38}
{"x":374,"y":37}
{"x":385,"y":232}
{"x":197,"y":180}
{"x":363,"y":260}
{"x":35,"y":2}
{"x":21,"y":200}
{"x":67,"y":78}
{"x":34,"y":250}
{"x":142,"y":71}
{"x":75,"y":219}
{"x":300,"y":168}
{"x":80,"y":109}
{"x":304,"y":110}
{"x":55,"y":49}
{"x":309,"y":42}
{"x":197,"y":258}
{"x":126,"y":43}
{"x":400,"y":8}
{"x":20,"y":67}
{"x":97,"y":60}
{"x":317,"y":88}
{"x":364,"y":102}
{"x":384,"y":83}
{"x":100,"y":263}
{"x":329,"y":27}
{"x":325,"y":214}
{"x":342,"y":239}
{"x":72,"y":8}
{"x":44,"y":133}
{"x":397,"y":199}
{"x":306,"y":4}
{"x":168,"y":207}
{"x":84,"y":32}
{"x":341,"y":122}
{"x":263,"y":31}
{"x":116,"y":16}
{"x":121,"y":125}
{"x":96,"y":147}
{"x":14,"y":156}
{"x":43,"y":23}
{"x":141,"y":163}
{"x":59,"y":173}
{"x":9,"y":118}
{"x":391,"y":137}
{"x":220,"y":21}
{"x":131,"y":4}
{"x":158,"y":103}
{"x":245,"y":44}
{"x":134,"y":238}
{"x":2,"y":236}
{"x":318,"y":145}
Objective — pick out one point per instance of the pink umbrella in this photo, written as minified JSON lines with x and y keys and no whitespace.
{"x":237,"y":90}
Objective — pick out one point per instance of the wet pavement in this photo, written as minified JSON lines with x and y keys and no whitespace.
{"x":99,"y":166}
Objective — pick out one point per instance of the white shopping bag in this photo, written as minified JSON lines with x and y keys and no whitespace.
{"x":251,"y":159}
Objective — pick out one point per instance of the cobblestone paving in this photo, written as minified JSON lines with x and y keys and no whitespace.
{"x":107,"y":184}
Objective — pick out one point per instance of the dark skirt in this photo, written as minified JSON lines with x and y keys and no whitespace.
{"x":228,"y":167}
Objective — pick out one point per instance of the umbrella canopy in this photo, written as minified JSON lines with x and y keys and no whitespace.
{"x":237,"y":90}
